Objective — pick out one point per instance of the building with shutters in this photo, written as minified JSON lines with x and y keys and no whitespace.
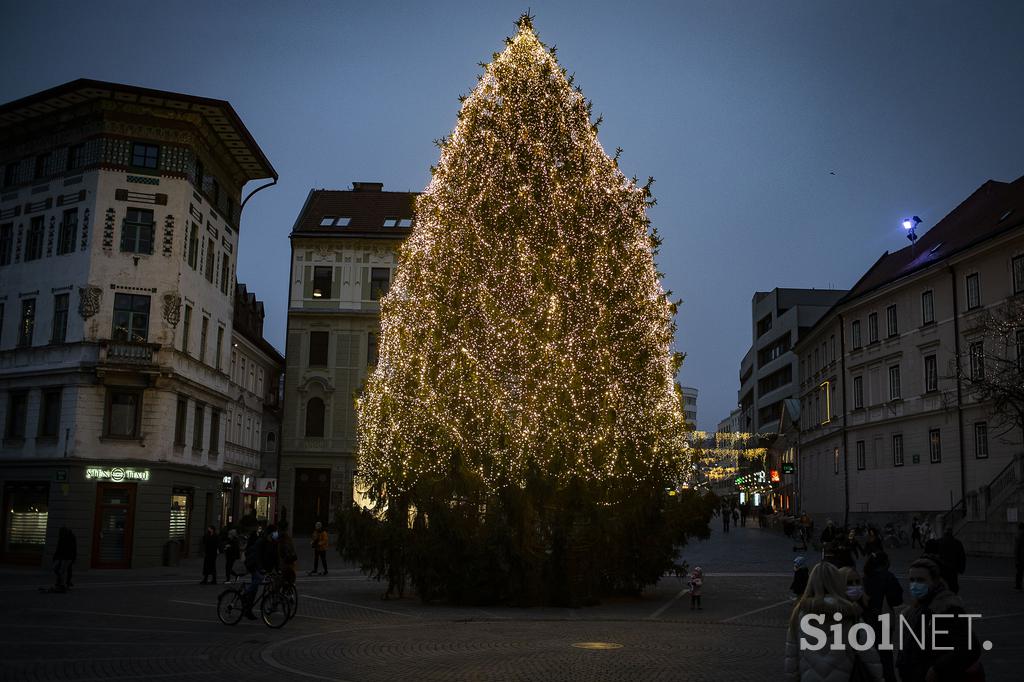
{"x":119,"y":235}
{"x":344,"y":249}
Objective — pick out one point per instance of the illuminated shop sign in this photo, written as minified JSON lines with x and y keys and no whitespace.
{"x":116,"y":474}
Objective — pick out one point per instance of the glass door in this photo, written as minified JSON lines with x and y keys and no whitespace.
{"x":114,"y":525}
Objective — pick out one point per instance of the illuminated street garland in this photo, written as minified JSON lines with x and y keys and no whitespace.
{"x":527,"y":329}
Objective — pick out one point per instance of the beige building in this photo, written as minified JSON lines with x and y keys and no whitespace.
{"x":119,"y":237}
{"x":888,"y":430}
{"x":344,"y":254}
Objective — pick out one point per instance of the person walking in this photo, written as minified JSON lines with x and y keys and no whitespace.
{"x":941,"y":649}
{"x":1018,"y":555}
{"x":825,"y":597}
{"x":954,"y":559}
{"x":735,"y":517}
{"x":873,"y":543}
{"x":696,"y":585}
{"x":231,"y":554}
{"x":211,"y":546}
{"x":286,"y":554}
{"x":915,"y":534}
{"x":725,"y":520}
{"x":800,"y":573}
{"x":884,"y":594}
{"x":64,"y":558}
{"x":319,"y":544}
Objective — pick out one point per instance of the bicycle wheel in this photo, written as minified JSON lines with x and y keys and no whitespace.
{"x":291,"y":599}
{"x":274,"y":609}
{"x":230,"y":606}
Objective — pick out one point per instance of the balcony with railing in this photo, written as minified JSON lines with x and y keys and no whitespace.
{"x":128,"y":352}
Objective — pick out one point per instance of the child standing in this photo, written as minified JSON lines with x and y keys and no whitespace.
{"x":696,"y":583}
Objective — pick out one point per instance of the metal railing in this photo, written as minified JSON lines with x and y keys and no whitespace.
{"x":129,"y":352}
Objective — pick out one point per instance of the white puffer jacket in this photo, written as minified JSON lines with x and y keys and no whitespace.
{"x":826,"y":665}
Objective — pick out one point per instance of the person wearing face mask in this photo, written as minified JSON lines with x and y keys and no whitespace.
{"x":825,"y":597}
{"x":949,"y":652}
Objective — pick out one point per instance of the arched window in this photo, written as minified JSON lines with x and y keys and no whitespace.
{"x":315,"y":418}
{"x":271,"y":440}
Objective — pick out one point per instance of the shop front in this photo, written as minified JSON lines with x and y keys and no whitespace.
{"x":259,"y":498}
{"x":123,"y":514}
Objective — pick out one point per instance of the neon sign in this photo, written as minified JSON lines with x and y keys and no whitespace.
{"x":116,"y":474}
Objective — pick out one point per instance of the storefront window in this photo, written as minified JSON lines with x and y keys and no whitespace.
{"x":26,"y":506}
{"x":181,"y":506}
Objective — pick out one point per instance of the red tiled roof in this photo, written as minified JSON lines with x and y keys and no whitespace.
{"x":367,"y":207}
{"x":992,"y":209}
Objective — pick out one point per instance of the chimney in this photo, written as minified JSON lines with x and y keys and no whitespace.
{"x":367,"y":186}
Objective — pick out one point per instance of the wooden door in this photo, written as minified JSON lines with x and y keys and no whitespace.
{"x":114,"y":525}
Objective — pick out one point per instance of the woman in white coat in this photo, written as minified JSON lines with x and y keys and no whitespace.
{"x":825,"y":596}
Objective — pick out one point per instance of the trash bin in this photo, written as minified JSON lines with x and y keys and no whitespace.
{"x":172,"y":553}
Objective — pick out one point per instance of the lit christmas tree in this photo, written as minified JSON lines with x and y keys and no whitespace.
{"x":523,"y":405}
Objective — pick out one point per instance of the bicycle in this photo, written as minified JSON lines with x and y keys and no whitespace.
{"x":278,"y":602}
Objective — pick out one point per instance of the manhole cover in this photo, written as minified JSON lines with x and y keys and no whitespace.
{"x":597,"y":645}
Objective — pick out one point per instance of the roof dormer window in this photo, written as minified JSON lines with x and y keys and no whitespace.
{"x":327,"y":221}
{"x":390,"y":222}
{"x":334,"y":221}
{"x":405,"y":222}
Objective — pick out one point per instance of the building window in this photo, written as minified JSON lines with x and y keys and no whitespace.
{"x":225,"y":274}
{"x":835,"y":461}
{"x":27,"y":324}
{"x":981,"y":440}
{"x":894,"y":382}
{"x":68,"y":232}
{"x":832,"y":348}
{"x":817,"y":360}
{"x":10,"y":173}
{"x":873,"y":328}
{"x":891,"y":326}
{"x":315,"y":418}
{"x":59,"y":331}
{"x":1020,"y":346}
{"x":931,"y":374}
{"x":322,"y":282}
{"x":214,"y":431}
{"x":137,"y":231}
{"x":1018,"y":274}
{"x":973,"y":291}
{"x":935,"y":446}
{"x":977,"y":355}
{"x":49,"y":418}
{"x":211,"y":259}
{"x":897,"y":450}
{"x":220,"y":346}
{"x":380,"y":283}
{"x":861,"y":459}
{"x":371,"y":349}
{"x":318,"y":343}
{"x":6,"y":243}
{"x":193,"y":246}
{"x":855,"y":334}
{"x":17,"y":415}
{"x":42,"y":161}
{"x":204,"y":330}
{"x":145,"y":155}
{"x":927,"y":308}
{"x":764,"y":325}
{"x":197,"y":427}
{"x":76,"y":157}
{"x":858,"y":392}
{"x":200,"y":173}
{"x":34,"y":239}
{"x":131,"y":318}
{"x":391,"y":222}
{"x":124,"y":413}
{"x":186,"y":328}
{"x":180,"y":419}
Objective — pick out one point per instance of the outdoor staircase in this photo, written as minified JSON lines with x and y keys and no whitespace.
{"x":986,"y":520}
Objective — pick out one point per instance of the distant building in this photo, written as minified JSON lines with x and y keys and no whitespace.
{"x":119,"y":237}
{"x":889,"y":428}
{"x":252,"y":429}
{"x":689,"y":405}
{"x":769,"y":372}
{"x":344,"y":255}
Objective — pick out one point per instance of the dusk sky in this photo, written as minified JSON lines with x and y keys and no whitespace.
{"x":787,"y":139}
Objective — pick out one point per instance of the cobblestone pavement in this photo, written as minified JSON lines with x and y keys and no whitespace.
{"x":158,"y":624}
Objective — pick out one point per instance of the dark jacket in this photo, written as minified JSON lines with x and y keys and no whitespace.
{"x":950,"y":665}
{"x":951,"y":551}
{"x":1018,"y":549}
{"x":67,"y":546}
{"x":211,"y":545}
{"x":799,"y":583}
{"x":881,"y":586}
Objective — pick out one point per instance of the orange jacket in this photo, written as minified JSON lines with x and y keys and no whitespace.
{"x":320,"y":540}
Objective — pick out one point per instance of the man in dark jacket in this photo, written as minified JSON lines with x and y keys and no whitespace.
{"x":211,"y":546}
{"x":883,"y":593}
{"x":260,"y":559}
{"x":947,"y":652}
{"x":64,"y":558}
{"x":1018,"y":555}
{"x":954,"y":559}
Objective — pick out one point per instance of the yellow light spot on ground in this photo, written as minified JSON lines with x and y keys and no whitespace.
{"x":597,"y":645}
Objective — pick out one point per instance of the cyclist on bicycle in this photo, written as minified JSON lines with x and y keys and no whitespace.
{"x":261,"y":557}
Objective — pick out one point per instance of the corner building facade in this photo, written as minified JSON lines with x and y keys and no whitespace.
{"x":344,"y":256}
{"x":119,"y":235}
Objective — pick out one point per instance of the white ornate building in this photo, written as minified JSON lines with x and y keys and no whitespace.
{"x":119,"y":236}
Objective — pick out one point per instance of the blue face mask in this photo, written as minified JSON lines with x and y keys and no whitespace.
{"x":274,"y":535}
{"x":919,"y":590}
